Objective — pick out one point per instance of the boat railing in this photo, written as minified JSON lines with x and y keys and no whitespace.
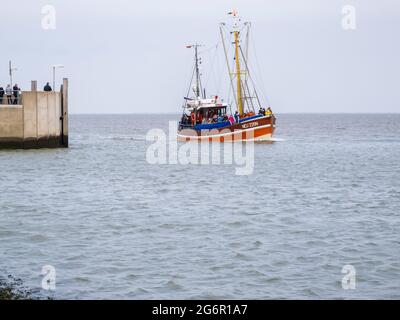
{"x":185,"y":125}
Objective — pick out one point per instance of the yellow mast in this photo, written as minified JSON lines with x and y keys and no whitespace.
{"x":238,"y":74}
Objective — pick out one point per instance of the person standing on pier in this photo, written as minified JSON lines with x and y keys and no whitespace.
{"x":47,"y":88}
{"x":9,"y":94}
{"x":1,"y":95}
{"x":16,"y":91}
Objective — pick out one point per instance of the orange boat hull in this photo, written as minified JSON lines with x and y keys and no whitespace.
{"x":258,"y":129}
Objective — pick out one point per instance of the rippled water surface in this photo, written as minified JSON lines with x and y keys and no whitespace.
{"x":327,"y":194}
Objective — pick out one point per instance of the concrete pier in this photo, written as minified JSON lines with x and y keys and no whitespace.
{"x":39,"y":120}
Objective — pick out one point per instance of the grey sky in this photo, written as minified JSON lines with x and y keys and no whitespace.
{"x":126,"y":56}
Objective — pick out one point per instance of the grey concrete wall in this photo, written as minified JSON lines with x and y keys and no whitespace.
{"x":11,"y":123}
{"x":42,"y":115}
{"x":30,"y":120}
{"x":41,"y":120}
{"x":4,"y":100}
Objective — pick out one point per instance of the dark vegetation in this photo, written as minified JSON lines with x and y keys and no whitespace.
{"x":12,"y":289}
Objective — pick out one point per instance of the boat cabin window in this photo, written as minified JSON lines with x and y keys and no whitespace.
{"x":205,"y":116}
{"x":213,"y":115}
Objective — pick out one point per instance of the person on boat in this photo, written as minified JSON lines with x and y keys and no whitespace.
{"x":237,"y":117}
{"x":231,"y":119}
{"x":215,"y":118}
{"x":200,"y":118}
{"x":269,"y":112}
{"x":261,"y":111}
{"x":193,"y":118}
{"x":220,"y":119}
{"x":210,"y":115}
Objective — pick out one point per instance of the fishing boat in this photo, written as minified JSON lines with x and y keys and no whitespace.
{"x":210,"y":118}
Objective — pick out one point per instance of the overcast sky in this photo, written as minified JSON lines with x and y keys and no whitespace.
{"x":125,"y":56}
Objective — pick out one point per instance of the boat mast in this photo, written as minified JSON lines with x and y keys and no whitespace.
{"x":239,"y":81}
{"x":198,"y":88}
{"x":237,"y":59}
{"x":197,"y":71}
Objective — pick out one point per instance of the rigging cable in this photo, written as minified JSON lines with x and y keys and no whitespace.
{"x":250,"y":77}
{"x":212,"y":65}
{"x":190,"y":86}
{"x":261,"y":77}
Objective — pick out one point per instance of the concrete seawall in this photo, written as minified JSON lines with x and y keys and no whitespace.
{"x":40,"y":120}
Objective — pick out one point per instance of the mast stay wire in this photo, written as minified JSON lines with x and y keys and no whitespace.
{"x":220,"y":73}
{"x":215,"y":47}
{"x":233,"y":76}
{"x":190,"y":86}
{"x":244,"y":84}
{"x":227,"y":60}
{"x":251,"y":78}
{"x":258,"y":74}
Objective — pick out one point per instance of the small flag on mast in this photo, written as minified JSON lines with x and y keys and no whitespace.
{"x":234,"y":13}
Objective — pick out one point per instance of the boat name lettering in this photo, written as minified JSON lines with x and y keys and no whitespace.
{"x":249,"y":125}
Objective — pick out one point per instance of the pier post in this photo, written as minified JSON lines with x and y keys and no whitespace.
{"x":64,"y":112}
{"x":34,"y":85}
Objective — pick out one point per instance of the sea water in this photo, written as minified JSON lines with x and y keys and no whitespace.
{"x":323,"y":196}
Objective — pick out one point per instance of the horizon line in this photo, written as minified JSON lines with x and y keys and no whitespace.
{"x":294,"y":113}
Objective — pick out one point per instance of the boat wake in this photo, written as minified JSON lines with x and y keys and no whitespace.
{"x":268,"y":140}
{"x":278,"y":139}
